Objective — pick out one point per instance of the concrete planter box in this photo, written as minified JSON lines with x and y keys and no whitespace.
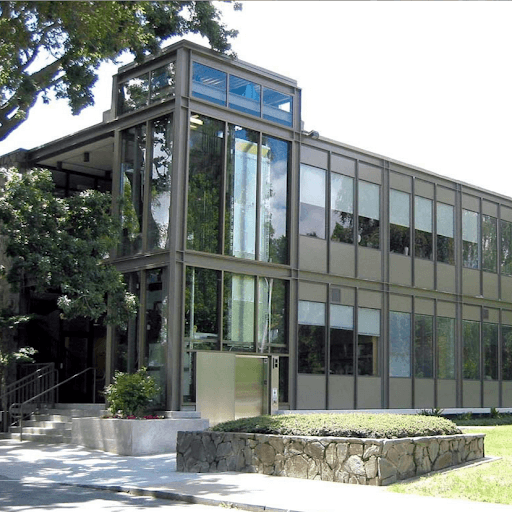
{"x":335,"y":459}
{"x":131,"y":437}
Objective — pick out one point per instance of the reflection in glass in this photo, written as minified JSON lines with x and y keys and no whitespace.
{"x":244,"y":95}
{"x":342,"y":208}
{"x":311,"y":342}
{"x":275,"y":162}
{"x":399,"y":222}
{"x":341,"y":340}
{"x":489,"y":243}
{"x":368,"y":341}
{"x":445,"y":244}
{"x":369,"y":215}
{"x":162,"y":82}
{"x":506,"y":352}
{"x":209,"y":83}
{"x":445,"y":348}
{"x":471,"y":349}
{"x":201,"y":309}
{"x":133,"y":143}
{"x":277,"y":107}
{"x":423,"y":346}
{"x":422,"y":228}
{"x":204,"y":186}
{"x":240,"y":230}
{"x":506,"y":247}
{"x":399,"y":344}
{"x":312,"y":201}
{"x":189,"y":377}
{"x":160,"y":184}
{"x":133,"y":94}
{"x":238,"y":313}
{"x":490,"y":346}
{"x":272,"y":335}
{"x":470,"y":236}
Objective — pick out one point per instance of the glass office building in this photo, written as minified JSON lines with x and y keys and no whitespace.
{"x":275,"y":268}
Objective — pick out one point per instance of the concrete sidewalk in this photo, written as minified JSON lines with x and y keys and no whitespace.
{"x":156,"y":476}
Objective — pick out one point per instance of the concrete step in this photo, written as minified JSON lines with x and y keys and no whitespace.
{"x":47,"y":424}
{"x":83,"y":407}
{"x":42,"y":438}
{"x":49,"y":431}
{"x":180,"y":415}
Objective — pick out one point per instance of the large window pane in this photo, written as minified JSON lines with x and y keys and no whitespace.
{"x":205,"y":178}
{"x":277,"y":107}
{"x":399,"y":222}
{"x":272,"y":315}
{"x":209,"y":83}
{"x":133,"y":94}
{"x":369,"y":215}
{"x":399,"y":344}
{"x":490,"y":342}
{"x":470,"y":237}
{"x":162,"y":83}
{"x":506,"y":352}
{"x":244,"y":95}
{"x":241,"y":193}
{"x":471,"y":349}
{"x":312,"y":201}
{"x":368,"y":341}
{"x":341,"y":340}
{"x":311,"y":337}
{"x":133,"y":144}
{"x":275,"y":163}
{"x":506,"y":247}
{"x":445,"y":348}
{"x":342,"y":208}
{"x":160,"y":184}
{"x":238,"y":315}
{"x":423,"y":346}
{"x":422,"y":228}
{"x":489,"y":244}
{"x":445,"y":245}
{"x":201,"y":309}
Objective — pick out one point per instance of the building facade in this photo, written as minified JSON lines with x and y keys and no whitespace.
{"x":278,"y":269}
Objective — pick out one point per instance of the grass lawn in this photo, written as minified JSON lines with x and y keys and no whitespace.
{"x":491,"y":482}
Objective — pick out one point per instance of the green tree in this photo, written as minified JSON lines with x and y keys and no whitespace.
{"x":57,"y":47}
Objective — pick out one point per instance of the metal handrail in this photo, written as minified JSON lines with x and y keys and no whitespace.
{"x":47,"y":391}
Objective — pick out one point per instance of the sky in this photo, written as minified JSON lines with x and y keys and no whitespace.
{"x":425,"y":83}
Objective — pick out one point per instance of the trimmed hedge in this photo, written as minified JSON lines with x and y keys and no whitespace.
{"x":362,"y":425}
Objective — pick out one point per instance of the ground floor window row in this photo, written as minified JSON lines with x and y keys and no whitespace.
{"x":349,"y":342}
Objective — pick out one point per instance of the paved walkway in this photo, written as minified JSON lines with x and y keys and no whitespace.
{"x":156,"y":475}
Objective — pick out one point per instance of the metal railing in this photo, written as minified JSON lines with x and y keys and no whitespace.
{"x":16,"y":409}
{"x":39,"y":381}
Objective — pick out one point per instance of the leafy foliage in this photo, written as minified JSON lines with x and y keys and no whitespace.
{"x":57,"y":47}
{"x":360,"y":425}
{"x":131,"y":394}
{"x":58,"y":244}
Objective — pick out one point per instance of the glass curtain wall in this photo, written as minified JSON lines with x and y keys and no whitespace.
{"x":368,"y":335}
{"x":341,"y":340}
{"x":471,"y":349}
{"x":489,"y":244}
{"x":445,"y":348}
{"x":312,"y":201}
{"x":506,"y":352}
{"x":470,"y":237}
{"x":311,"y":341}
{"x":422,"y":228}
{"x":490,"y":350}
{"x":399,"y":222}
{"x":272,"y":317}
{"x":342,"y":208}
{"x":423,"y":346}
{"x":369,"y":215}
{"x":506,"y":247}
{"x":445,"y":242}
{"x":399,"y":344}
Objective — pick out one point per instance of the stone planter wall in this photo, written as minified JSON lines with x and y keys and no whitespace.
{"x":348,"y":460}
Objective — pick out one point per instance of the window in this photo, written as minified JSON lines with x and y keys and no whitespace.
{"x":206,"y":150}
{"x":445,"y":244}
{"x":311,"y":337}
{"x":368,"y":342}
{"x":272,"y":318}
{"x":312,"y":201}
{"x":506,"y":352}
{"x":244,"y":95}
{"x":341,"y":340}
{"x":399,"y":344}
{"x":423,"y":346}
{"x":277,"y":107}
{"x":422,"y":228}
{"x":209,"y":83}
{"x":342,"y":208}
{"x":471,"y":350}
{"x":506,"y":247}
{"x":369,"y":215}
{"x":162,"y":83}
{"x":490,"y":346}
{"x":399,"y":223}
{"x":445,"y":348}
{"x":489,"y":244}
{"x":470,"y":237}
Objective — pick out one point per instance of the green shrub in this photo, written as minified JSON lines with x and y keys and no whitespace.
{"x":360,"y":425}
{"x":131,"y":394}
{"x":436,"y":411}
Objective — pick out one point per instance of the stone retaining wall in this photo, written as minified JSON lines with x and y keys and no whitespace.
{"x":338,"y":459}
